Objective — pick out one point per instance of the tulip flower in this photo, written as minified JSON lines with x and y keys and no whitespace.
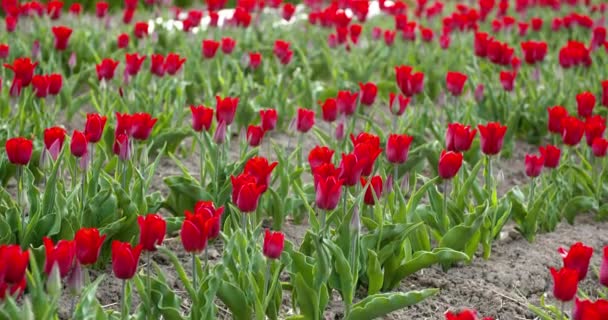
{"x":573,"y":130}
{"x":88,"y":244}
{"x":125,"y":259}
{"x":124,"y":124}
{"x":328,"y":192}
{"x":397,"y":148}
{"x":254,"y":135}
{"x":173,"y":63}
{"x":260,"y":169}
{"x":142,"y":124}
{"x":212,"y":217}
{"x":287,"y":11}
{"x":459,"y":137}
{"x":79,"y":144}
{"x":594,"y":128}
{"x":410,"y":83}
{"x":375,"y":186}
{"x":319,"y":156}
{"x":551,"y":155}
{"x":133,"y":63}
{"x":23,"y":70}
{"x":246,"y":192}
{"x":122,"y":41}
{"x":534,"y":51}
{"x":19,"y":150}
{"x":585,"y":102}
{"x":122,"y":147}
{"x":282,"y":51}
{"x":604,"y":268}
{"x":140,"y":30}
{"x":565,"y":283}
{"x":507,"y":80}
{"x":53,"y":140}
{"x":62,"y":254}
{"x":225,"y":109}
{"x":227,"y":45}
{"x":105,"y":70}
{"x":54,"y":82}
{"x":449,"y":164}
{"x":534,"y":165}
{"x":599,"y":147}
{"x":273,"y":244}
{"x":462,"y":315}
{"x":40,"y":85}
{"x":399,"y":105}
{"x":255,"y":59}
{"x":329,"y":109}
{"x":389,"y":37}
{"x":350,"y":169}
{"x":366,"y":154}
{"x":14,"y":272}
{"x":368,"y":93}
{"x":491,"y":136}
{"x":4,"y":51}
{"x":101,"y":9}
{"x":192,"y":233}
{"x":305,"y":119}
{"x":209,"y":48}
{"x":62,"y":36}
{"x":201,"y":118}
{"x":152,"y":229}
{"x":455,"y":82}
{"x":94,"y":126}
{"x":556,"y":114}
{"x":605,"y":93}
{"x":347,"y":102}
{"x":157,"y":65}
{"x":268,"y":119}
{"x":53,"y":9}
{"x":577,"y":258}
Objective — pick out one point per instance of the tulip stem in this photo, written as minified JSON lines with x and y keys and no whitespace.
{"x":149,"y":274}
{"x":202,"y":160}
{"x":267,"y":279}
{"x":83,"y":182}
{"x":194,"y":272}
{"x":123,"y":305}
{"x":206,"y":256}
{"x":446,"y":221}
{"x":20,"y":202}
{"x":244,"y":222}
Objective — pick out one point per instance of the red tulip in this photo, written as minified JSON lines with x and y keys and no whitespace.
{"x":127,"y":17}
{"x":268,"y":119}
{"x":101,"y":9}
{"x":273,"y":244}
{"x":122,"y":40}
{"x":455,"y":82}
{"x":152,"y":229}
{"x":124,"y":124}
{"x":389,"y":37}
{"x":594,"y":128}
{"x":260,"y":169}
{"x":53,"y":140}
{"x":105,"y":70}
{"x":368,"y":93}
{"x":347,"y":102}
{"x":192,"y":233}
{"x":4,"y":51}
{"x":122,"y":147}
{"x":328,"y":191}
{"x":15,"y":90}
{"x":599,"y":147}
{"x":577,"y":258}
{"x":459,"y":137}
{"x":88,"y":244}
{"x":23,"y":70}
{"x":11,"y":23}
{"x":598,"y":37}
{"x":319,"y":156}
{"x":210,"y":48}
{"x":329,"y":109}
{"x":366,"y":154}
{"x":142,"y":124}
{"x":212,"y":217}
{"x":556,"y":114}
{"x":14,"y":272}
{"x":248,"y":195}
{"x":62,"y":36}
{"x":449,"y":164}
{"x":534,"y":51}
{"x":75,"y":8}
{"x":565,"y":283}
{"x":79,"y":143}
{"x":492,"y":135}
{"x":507,"y":79}
{"x":551,"y":155}
{"x":572,"y":130}
{"x":398,"y":107}
{"x":462,"y":315}
{"x":375,"y":185}
{"x":125,"y":259}
{"x":53,"y":9}
{"x":201,"y":118}
{"x":255,"y":59}
{"x":254,"y":135}
{"x":585,"y":102}
{"x":19,"y":150}
{"x":62,"y":254}
{"x":40,"y":85}
{"x":305,"y":119}
{"x":604,"y":268}
{"x":54,"y":82}
{"x":131,"y":4}
{"x":537,"y":23}
{"x":287,"y":11}
{"x":94,"y":126}
{"x":225,"y":109}
{"x":157,"y":65}
{"x":605,"y":92}
{"x":228,"y":45}
{"x":410,"y":83}
{"x":140,"y":30}
{"x":397,"y":148}
{"x":133,"y":63}
{"x":173,"y":63}
{"x":365,"y":137}
{"x":351,"y":169}
{"x":534,"y":165}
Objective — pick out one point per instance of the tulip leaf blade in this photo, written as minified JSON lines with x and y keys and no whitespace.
{"x":380,"y":304}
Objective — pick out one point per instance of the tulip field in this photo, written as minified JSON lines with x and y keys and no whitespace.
{"x":344,"y":159}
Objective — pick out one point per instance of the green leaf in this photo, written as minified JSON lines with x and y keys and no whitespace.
{"x":381,"y":304}
{"x":345,"y":275}
{"x":375,"y":277}
{"x":235,"y":300}
{"x":169,"y":138}
{"x":184,"y":193}
{"x":306,"y":298}
{"x":89,"y":308}
{"x":578,"y":204}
